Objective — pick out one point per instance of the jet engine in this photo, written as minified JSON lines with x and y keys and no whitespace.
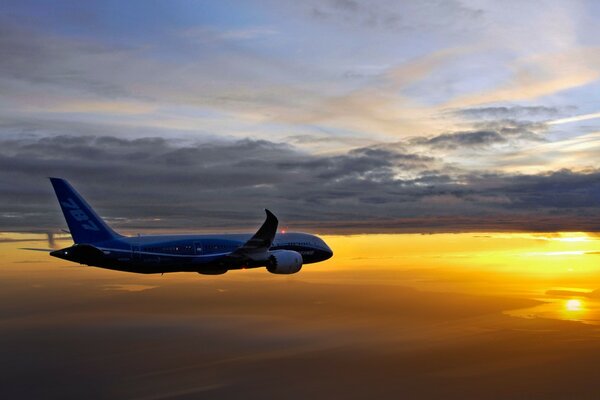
{"x":284,"y":262}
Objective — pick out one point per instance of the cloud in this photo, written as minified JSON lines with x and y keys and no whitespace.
{"x":513,"y":112}
{"x":380,"y":105}
{"x":52,"y":75}
{"x":483,"y":135}
{"x":537,"y":76}
{"x":155,"y":183}
{"x":393,"y":16}
{"x":221,"y":128}
{"x":579,"y":153}
{"x":594,"y":294}
{"x":576,"y":118}
{"x":59,"y":63}
{"x":213,"y":34}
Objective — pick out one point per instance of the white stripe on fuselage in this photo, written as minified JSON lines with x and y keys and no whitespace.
{"x":162,"y":254}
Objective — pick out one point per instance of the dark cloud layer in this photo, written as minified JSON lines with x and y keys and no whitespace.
{"x":392,"y":16}
{"x":485,"y":134}
{"x":510,"y":112}
{"x":154,"y":183}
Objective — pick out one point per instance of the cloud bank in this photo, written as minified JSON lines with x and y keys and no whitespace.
{"x":155,"y":183}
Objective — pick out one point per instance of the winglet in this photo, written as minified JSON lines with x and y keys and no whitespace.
{"x":262,"y":239}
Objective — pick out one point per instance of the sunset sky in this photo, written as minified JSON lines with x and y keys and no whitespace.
{"x":346,"y":116}
{"x":448,"y":151}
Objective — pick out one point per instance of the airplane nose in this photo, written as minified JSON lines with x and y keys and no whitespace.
{"x":328,"y":253}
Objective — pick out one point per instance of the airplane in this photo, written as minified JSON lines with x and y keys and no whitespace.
{"x":97,"y":245}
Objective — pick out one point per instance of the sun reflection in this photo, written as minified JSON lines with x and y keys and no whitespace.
{"x":573,"y":305}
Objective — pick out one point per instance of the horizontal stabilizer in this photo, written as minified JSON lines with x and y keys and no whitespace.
{"x":82,"y":253}
{"x":35,"y":249}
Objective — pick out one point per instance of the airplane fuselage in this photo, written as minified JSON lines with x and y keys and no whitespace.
{"x":187,"y":253}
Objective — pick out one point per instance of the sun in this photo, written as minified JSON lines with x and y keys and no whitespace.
{"x":573,"y":305}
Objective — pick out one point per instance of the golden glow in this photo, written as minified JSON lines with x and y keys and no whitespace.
{"x":552,"y":254}
{"x":574,"y":239}
{"x":559,"y":253}
{"x":573,"y":305}
{"x":525,"y":265}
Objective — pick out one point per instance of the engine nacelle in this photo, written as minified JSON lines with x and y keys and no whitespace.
{"x":284,"y":262}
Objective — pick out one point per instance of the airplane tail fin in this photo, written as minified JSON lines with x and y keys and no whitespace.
{"x":84,"y":224}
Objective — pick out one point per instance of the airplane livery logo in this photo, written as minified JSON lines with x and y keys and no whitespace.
{"x":79,"y":215}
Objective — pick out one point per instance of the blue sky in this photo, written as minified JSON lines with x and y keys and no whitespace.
{"x":462,"y":89}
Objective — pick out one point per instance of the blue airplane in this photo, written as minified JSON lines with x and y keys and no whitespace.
{"x":96,"y":244}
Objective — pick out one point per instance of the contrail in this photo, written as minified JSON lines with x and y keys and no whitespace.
{"x":576,"y":118}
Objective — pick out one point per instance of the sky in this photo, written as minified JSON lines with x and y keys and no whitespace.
{"x":347,"y":116}
{"x":445,"y":150}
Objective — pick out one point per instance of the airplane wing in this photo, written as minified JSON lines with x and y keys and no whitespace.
{"x":258,"y":244}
